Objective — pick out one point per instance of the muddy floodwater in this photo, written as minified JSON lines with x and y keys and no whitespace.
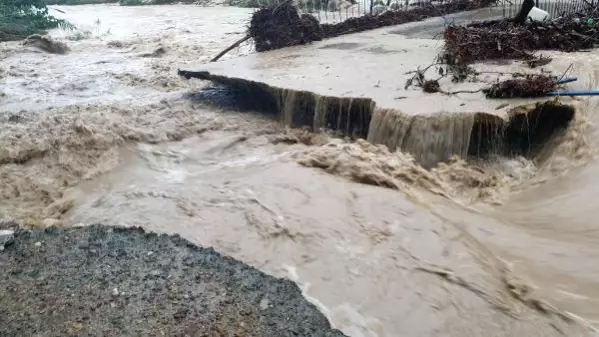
{"x":109,"y":134}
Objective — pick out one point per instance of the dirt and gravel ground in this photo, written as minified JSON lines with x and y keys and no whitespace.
{"x":113,"y":281}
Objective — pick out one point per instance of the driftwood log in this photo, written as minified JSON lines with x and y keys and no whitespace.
{"x":231,"y":47}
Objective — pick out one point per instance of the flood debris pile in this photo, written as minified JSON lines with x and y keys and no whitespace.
{"x":504,"y":39}
{"x":113,"y":281}
{"x":526,"y":87}
{"x":431,"y":86}
{"x":281,"y":25}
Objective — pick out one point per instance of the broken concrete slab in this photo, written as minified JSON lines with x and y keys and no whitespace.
{"x":336,"y":84}
{"x":370,"y":65}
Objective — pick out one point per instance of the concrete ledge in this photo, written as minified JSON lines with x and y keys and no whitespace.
{"x":299,"y":108}
{"x":355,"y":84}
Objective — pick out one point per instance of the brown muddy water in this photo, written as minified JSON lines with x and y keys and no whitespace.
{"x":109,"y":134}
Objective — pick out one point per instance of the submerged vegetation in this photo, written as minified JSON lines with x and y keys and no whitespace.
{"x":21,"y":18}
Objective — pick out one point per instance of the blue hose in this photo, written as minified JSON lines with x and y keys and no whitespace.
{"x":566,"y":80}
{"x":574,"y":93}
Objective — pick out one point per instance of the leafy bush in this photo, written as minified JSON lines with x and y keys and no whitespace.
{"x":153,"y":2}
{"x":21,"y":18}
{"x":78,"y":2}
{"x":131,"y":2}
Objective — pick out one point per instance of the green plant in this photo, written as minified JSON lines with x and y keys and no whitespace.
{"x":78,"y":2}
{"x":21,"y":18}
{"x":130,"y":2}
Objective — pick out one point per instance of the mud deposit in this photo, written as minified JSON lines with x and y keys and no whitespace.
{"x":112,"y":281}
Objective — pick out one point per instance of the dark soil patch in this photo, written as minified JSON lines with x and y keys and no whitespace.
{"x":109,"y":281}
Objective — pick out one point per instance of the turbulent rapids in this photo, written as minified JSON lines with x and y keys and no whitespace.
{"x":402,"y":224}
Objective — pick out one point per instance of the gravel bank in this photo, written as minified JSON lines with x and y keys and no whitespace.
{"x":113,"y":281}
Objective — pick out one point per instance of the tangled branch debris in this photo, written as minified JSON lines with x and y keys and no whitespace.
{"x":521,"y":85}
{"x":431,"y":86}
{"x":529,"y":86}
{"x":504,"y":39}
{"x":281,"y":25}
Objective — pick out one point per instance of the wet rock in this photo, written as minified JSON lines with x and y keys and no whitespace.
{"x":6,"y":238}
{"x":264,"y":304}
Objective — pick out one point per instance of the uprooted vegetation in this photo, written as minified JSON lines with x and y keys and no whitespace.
{"x":519,"y":86}
{"x":508,"y":39}
{"x":282,"y":26}
{"x":505,"y":39}
{"x":526,"y":87}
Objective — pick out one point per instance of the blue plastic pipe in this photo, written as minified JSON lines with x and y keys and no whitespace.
{"x":574,"y":93}
{"x":567,"y":80}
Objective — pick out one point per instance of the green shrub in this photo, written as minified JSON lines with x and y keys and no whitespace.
{"x":130,"y":2}
{"x":78,"y":2}
{"x":21,"y":18}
